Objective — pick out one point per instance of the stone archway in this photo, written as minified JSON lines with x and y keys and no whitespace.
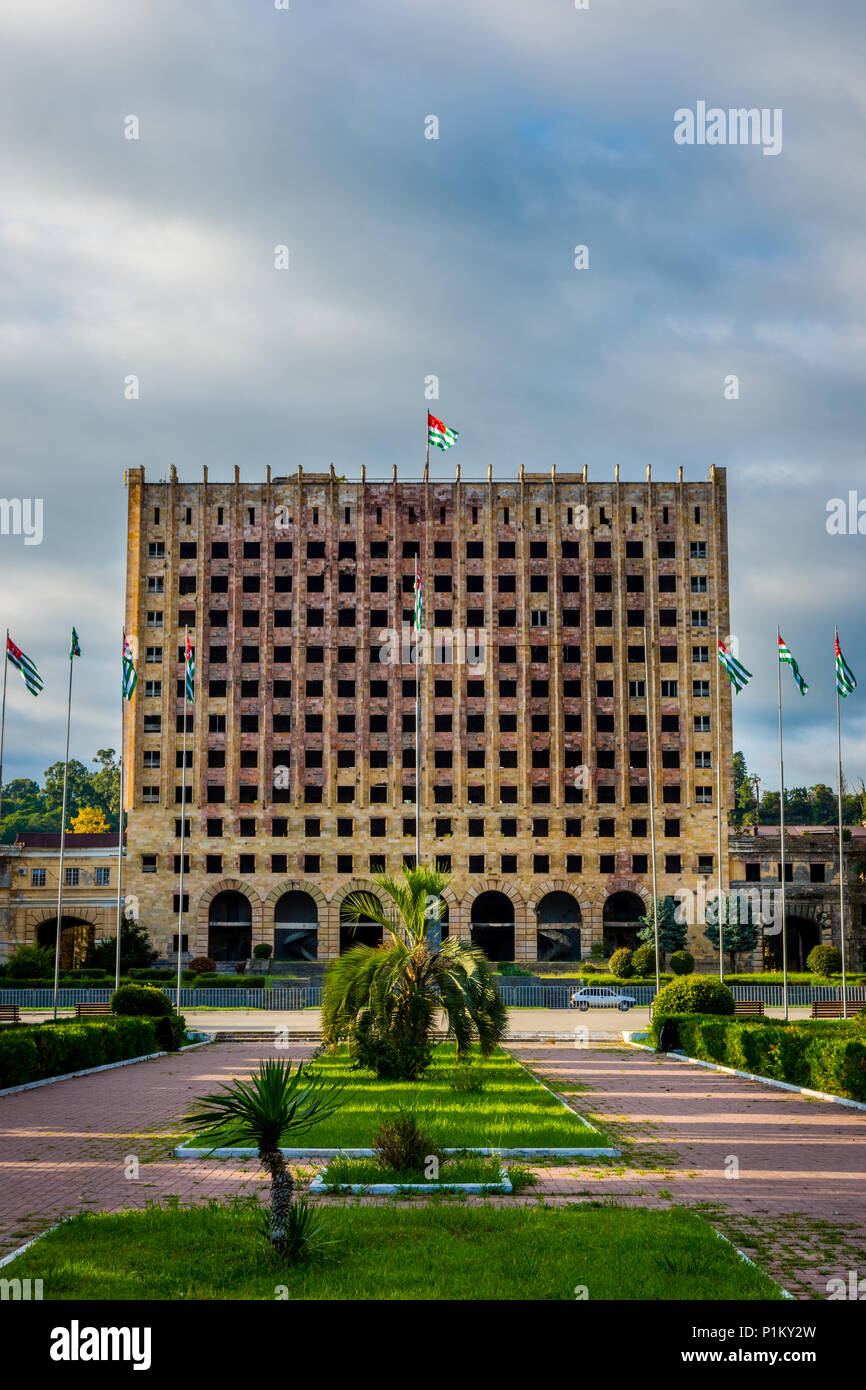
{"x":296,"y":920}
{"x":241,"y":938}
{"x":806,"y":926}
{"x":559,"y":919}
{"x":365,"y":933}
{"x":492,"y":918}
{"x":621,"y":917}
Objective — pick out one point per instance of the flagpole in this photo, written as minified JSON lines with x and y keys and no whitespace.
{"x":62,"y":842}
{"x":3,"y":723}
{"x":841,"y":848}
{"x":782,"y":831}
{"x":119,"y":857}
{"x":182,"y":820}
{"x":652,"y":817}
{"x":721,"y":904}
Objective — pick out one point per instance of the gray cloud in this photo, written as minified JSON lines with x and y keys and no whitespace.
{"x":452,"y":257}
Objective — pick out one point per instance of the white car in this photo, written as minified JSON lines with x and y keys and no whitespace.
{"x":600,"y":997}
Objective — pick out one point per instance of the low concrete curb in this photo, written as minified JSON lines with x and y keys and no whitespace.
{"x":106,"y":1066}
{"x":183,"y":1152}
{"x":751,"y":1076}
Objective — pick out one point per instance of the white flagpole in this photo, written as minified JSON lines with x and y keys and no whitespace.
{"x":782,"y":832}
{"x":650,"y":723}
{"x":62,"y":840}
{"x":720,"y":900}
{"x":3,"y":719}
{"x":182,"y":820}
{"x":841,"y":849}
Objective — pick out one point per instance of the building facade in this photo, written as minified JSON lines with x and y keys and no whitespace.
{"x":29,"y":879}
{"x":549,"y":601}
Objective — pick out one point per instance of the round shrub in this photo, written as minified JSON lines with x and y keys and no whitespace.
{"x":586,"y":968}
{"x":694,"y":994}
{"x":141,"y":999}
{"x":202,"y":965}
{"x":622,"y":963}
{"x":824,"y":961}
{"x":682,"y":962}
{"x":263,"y":951}
{"x":644,"y":961}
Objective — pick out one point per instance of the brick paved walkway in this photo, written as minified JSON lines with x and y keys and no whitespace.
{"x":65,"y":1147}
{"x":797,"y":1206}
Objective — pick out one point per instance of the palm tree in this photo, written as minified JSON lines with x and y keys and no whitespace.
{"x":276,"y":1102}
{"x":385,"y":999}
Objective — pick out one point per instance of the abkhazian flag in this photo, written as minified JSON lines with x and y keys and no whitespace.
{"x":787,"y":658}
{"x":419,"y":602}
{"x":846,"y":681}
{"x":74,"y":648}
{"x":439,"y":434}
{"x":740,"y":677}
{"x":190,"y":670}
{"x":129,"y":676}
{"x":22,"y":663}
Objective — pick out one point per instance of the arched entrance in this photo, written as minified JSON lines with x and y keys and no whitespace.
{"x":76,"y":938}
{"x":621,"y":919}
{"x":802,"y":934}
{"x":558,"y":933}
{"x":296,"y":927}
{"x":230,"y":927}
{"x":363,"y":933}
{"x":493,"y":925}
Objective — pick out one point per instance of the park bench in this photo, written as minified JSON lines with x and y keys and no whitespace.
{"x":9,"y":1013}
{"x":743,"y":1008}
{"x":832,"y":1008}
{"x":91,"y":1010}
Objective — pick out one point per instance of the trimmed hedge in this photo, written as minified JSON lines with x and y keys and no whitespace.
{"x":825,"y":1055}
{"x":694,"y":994}
{"x":135,"y":999}
{"x":33,"y":1051}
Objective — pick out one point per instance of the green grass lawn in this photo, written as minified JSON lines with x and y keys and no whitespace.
{"x":443,"y":1249}
{"x":459,"y":1168}
{"x":513,"y":1111}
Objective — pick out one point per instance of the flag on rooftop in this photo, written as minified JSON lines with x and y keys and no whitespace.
{"x":189,"y":670}
{"x":439,"y":434}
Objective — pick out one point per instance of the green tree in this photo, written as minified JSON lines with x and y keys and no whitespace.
{"x":136,"y":951}
{"x":385,"y":999}
{"x":106,"y":784}
{"x":672,"y":933}
{"x":744,"y":800}
{"x":79,"y":790}
{"x":741,"y":931}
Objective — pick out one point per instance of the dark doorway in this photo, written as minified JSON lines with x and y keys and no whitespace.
{"x":363,"y":933}
{"x":802,"y":935}
{"x":296,"y":927}
{"x":493,"y":925}
{"x":76,"y":938}
{"x":622,"y":919}
{"x":558,"y":934}
{"x":230,"y":927}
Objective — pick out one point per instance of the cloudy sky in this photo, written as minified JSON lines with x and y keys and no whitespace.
{"x":453,"y":257}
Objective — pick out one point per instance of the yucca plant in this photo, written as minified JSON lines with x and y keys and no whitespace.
{"x":276,"y":1103}
{"x":384,"y":999}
